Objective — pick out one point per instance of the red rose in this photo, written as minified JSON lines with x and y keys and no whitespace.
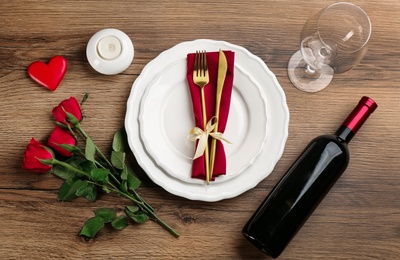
{"x":69,"y":105}
{"x":58,"y":137}
{"x":33,"y":154}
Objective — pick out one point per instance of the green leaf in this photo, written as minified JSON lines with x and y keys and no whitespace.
{"x":120,"y":222}
{"x":136,"y":214}
{"x":132,"y":209}
{"x":87,"y":166}
{"x":120,"y":143}
{"x":124,"y":186}
{"x":118,"y":159}
{"x":87,"y":190}
{"x":92,"y":227}
{"x":76,"y":161}
{"x":108,"y":215}
{"x":124,"y":174}
{"x":139,"y":216}
{"x":90,"y":149}
{"x":62,"y":172}
{"x":81,"y":191}
{"x":64,"y":189}
{"x":133,"y":182}
{"x":92,"y":195}
{"x":100,"y":175}
{"x":69,"y":188}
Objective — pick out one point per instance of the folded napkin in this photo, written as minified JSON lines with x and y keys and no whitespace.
{"x":198,"y":167}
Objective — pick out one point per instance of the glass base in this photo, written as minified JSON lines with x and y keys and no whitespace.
{"x":305,"y":77}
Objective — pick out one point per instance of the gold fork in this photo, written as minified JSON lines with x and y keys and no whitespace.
{"x":201,"y":79}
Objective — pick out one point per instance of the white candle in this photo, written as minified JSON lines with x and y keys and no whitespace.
{"x":109,"y":47}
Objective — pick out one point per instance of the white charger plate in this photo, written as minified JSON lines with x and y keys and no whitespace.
{"x":166,"y":116}
{"x":277,"y":124}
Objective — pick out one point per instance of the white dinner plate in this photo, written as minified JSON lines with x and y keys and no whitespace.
{"x":277,"y":123}
{"x":166,"y":116}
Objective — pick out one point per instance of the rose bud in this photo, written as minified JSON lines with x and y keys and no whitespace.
{"x":70,"y":106}
{"x":34,"y":156}
{"x":60,"y":137}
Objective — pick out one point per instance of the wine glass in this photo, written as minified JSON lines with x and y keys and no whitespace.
{"x":332,"y":41}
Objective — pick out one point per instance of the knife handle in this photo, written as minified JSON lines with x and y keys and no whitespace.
{"x":214,"y":144}
{"x":214,"y":141}
{"x":212,"y":155}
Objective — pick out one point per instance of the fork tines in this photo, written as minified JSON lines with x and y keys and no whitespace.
{"x":200,"y":63}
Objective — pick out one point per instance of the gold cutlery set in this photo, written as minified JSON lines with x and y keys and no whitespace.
{"x":201,"y":79}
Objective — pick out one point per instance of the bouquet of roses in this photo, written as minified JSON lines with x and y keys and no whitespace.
{"x":87,"y":171}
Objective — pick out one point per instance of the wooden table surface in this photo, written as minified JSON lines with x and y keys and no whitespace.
{"x":359,"y":218}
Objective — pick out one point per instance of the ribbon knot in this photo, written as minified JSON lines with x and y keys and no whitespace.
{"x":196,"y":133}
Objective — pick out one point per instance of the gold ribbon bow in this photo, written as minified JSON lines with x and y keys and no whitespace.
{"x":197,"y":133}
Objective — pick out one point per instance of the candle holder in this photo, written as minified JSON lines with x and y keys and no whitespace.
{"x":110,"y":51}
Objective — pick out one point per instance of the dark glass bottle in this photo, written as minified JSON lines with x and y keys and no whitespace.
{"x":304,"y":185}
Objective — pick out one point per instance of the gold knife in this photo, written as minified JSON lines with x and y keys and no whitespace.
{"x":222,"y":68}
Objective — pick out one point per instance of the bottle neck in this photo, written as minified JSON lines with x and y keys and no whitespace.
{"x":356,"y":119}
{"x":344,"y":133}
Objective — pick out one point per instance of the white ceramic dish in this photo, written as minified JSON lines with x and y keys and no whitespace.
{"x":166,"y":116}
{"x":277,"y":124}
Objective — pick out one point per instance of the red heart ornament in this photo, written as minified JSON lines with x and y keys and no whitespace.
{"x":48,"y":75}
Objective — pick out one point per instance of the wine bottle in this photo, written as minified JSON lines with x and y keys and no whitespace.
{"x":304,"y":185}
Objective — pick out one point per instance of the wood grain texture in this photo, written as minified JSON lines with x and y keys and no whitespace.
{"x":359,"y":218}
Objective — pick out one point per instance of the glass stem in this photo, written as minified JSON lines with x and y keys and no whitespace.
{"x":310,"y":71}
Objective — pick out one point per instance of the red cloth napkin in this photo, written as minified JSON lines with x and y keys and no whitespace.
{"x":198,"y":167}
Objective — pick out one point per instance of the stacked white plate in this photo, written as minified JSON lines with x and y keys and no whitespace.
{"x":159,"y":117}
